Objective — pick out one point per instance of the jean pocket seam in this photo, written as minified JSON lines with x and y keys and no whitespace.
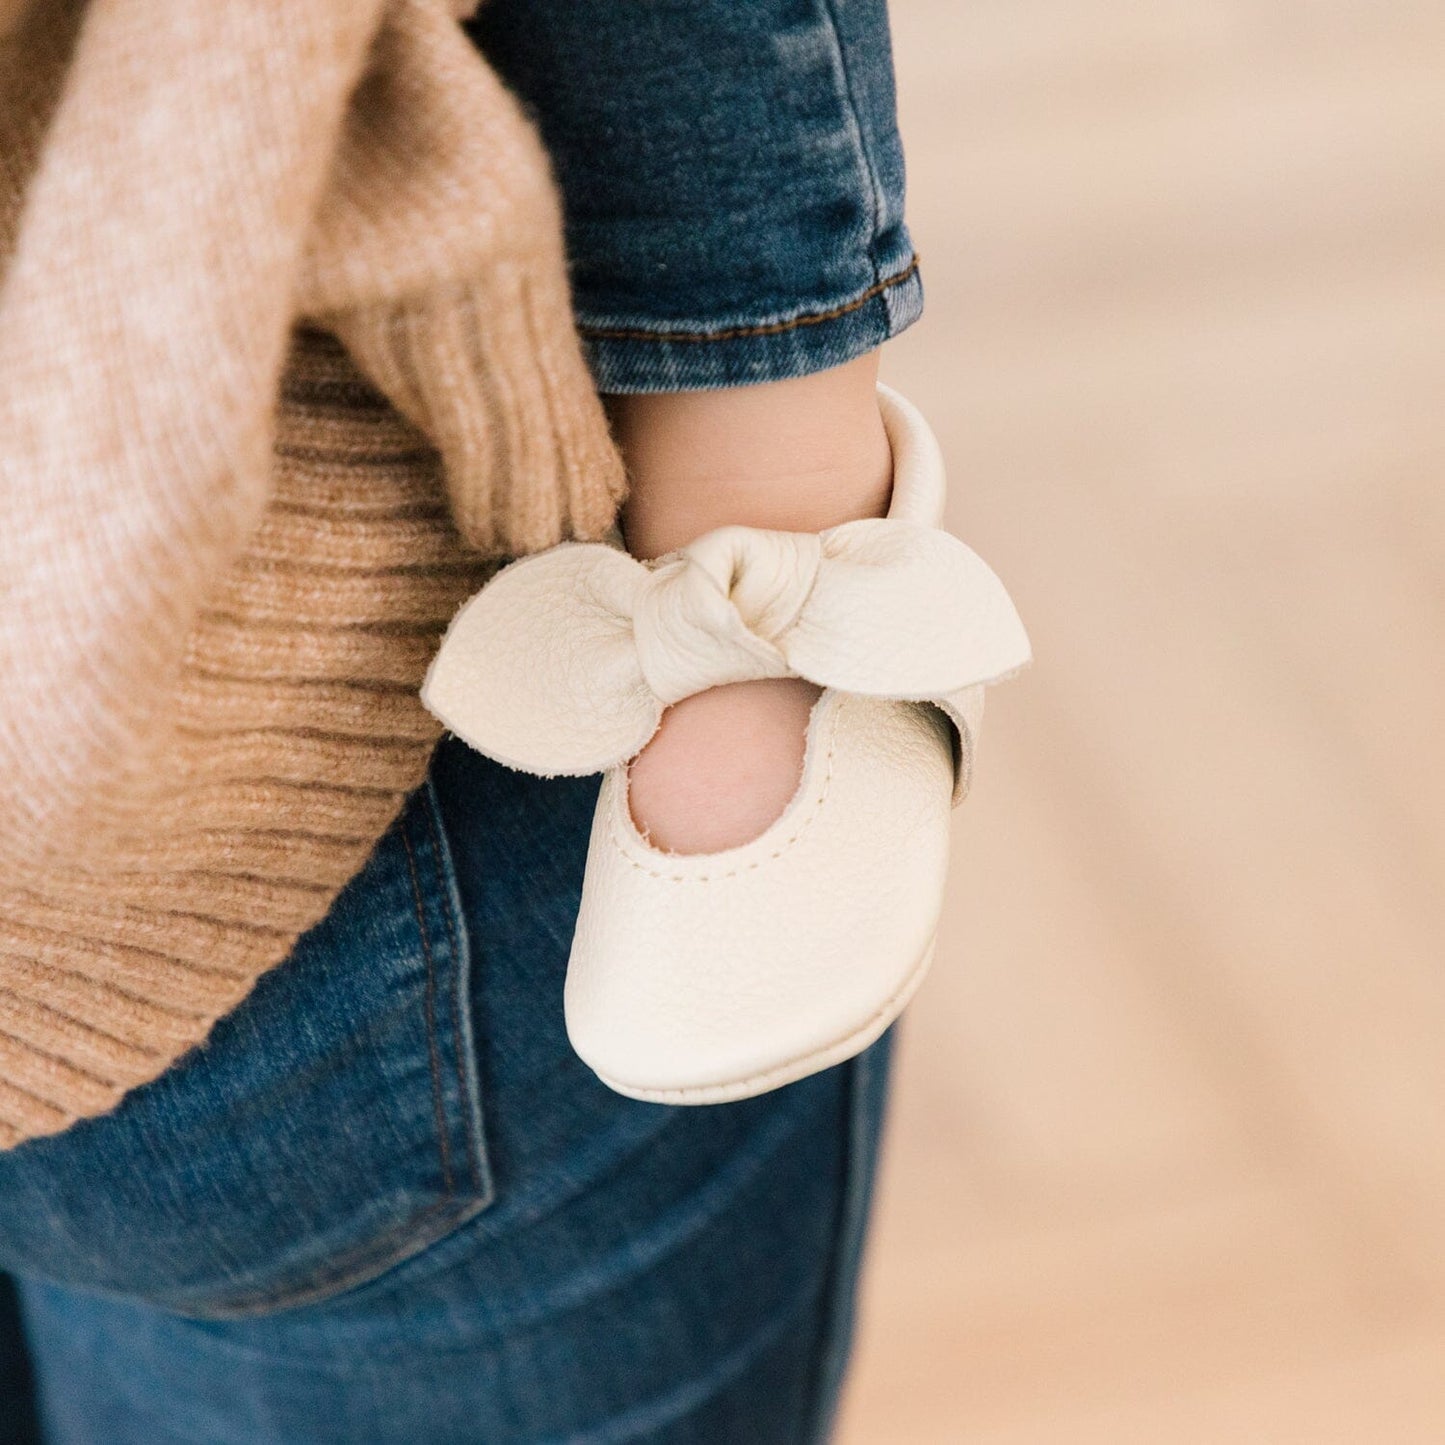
{"x":384,"y":1252}
{"x":867,"y":1083}
{"x":439,"y":1107}
{"x":467,"y":1190}
{"x":465,"y":1059}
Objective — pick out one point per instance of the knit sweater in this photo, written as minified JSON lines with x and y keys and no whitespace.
{"x":286,"y":358}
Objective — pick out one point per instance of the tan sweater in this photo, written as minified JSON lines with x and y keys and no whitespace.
{"x":215,"y":611}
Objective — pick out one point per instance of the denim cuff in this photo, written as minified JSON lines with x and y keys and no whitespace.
{"x":703,"y":356}
{"x":732,"y":178}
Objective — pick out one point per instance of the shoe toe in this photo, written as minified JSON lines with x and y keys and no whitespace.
{"x":703,"y":978}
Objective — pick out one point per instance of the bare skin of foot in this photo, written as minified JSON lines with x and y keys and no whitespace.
{"x":797,"y":455}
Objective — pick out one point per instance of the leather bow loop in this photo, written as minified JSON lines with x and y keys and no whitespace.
{"x":565,"y":661}
{"x":716,"y":612}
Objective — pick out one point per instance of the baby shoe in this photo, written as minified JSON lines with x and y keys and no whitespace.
{"x":700,"y":978}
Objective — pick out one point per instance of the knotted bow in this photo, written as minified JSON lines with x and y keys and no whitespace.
{"x":565,"y":660}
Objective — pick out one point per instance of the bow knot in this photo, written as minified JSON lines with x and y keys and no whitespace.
{"x":565,"y":660}
{"x":717,"y":612}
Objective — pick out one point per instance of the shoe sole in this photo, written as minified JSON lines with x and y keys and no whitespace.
{"x":811,"y":1063}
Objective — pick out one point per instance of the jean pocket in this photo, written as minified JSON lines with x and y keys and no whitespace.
{"x":331,"y":1127}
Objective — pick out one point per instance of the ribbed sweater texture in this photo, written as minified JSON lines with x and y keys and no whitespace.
{"x":287,"y":364}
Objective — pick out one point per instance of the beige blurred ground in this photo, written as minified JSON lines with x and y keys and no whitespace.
{"x":1168,"y":1155}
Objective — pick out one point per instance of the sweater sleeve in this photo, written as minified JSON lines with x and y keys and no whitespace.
{"x":732,"y":178}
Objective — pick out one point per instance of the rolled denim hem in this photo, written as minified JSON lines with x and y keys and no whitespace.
{"x":650,"y":358}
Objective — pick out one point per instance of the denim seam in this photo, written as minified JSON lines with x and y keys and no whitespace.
{"x":772,"y":328}
{"x":458,"y":1002}
{"x":651,"y":1246}
{"x":819,"y":1409}
{"x":377,"y":1254}
{"x":439,"y":1259}
{"x":431,"y":1041}
{"x":834,"y":1343}
{"x":358,"y":1267}
{"x":343,"y":1274}
{"x":865,"y":160}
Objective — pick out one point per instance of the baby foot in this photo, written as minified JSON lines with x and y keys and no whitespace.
{"x":722,"y":766}
{"x":799,"y":455}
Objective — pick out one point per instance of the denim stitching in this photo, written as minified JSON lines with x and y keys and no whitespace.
{"x":865,"y":160}
{"x":775,"y":328}
{"x":431,"y":1042}
{"x":375,"y":1257}
{"x":331,"y":1279}
{"x":838,"y":1325}
{"x":458,"y":1002}
{"x":826,"y":1373}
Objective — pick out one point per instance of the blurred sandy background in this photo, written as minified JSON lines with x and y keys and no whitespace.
{"x":1167,"y":1160}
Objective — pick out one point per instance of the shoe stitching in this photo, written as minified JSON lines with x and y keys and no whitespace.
{"x":622,"y":846}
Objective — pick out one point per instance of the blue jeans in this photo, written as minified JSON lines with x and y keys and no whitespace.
{"x":732,"y":178}
{"x":386,"y":1203}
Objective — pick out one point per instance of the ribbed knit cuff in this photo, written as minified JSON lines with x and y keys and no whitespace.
{"x":491,"y":372}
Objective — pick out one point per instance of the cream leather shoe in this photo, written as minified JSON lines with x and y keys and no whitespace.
{"x":700,"y":978}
